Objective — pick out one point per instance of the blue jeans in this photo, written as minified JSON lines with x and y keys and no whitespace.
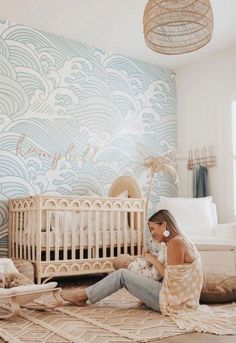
{"x":143,"y":288}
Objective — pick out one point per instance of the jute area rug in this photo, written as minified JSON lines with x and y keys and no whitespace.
{"x":118,"y":318}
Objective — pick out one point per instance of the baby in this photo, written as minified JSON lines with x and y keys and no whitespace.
{"x":140,"y":265}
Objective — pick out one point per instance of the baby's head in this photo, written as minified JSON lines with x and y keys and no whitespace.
{"x":122,"y":261}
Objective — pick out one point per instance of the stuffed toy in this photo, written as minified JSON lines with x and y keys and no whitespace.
{"x":9,"y":275}
{"x":9,"y":280}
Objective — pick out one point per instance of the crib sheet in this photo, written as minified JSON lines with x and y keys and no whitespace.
{"x":105,"y":237}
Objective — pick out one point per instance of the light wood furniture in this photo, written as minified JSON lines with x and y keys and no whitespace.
{"x":65,"y":236}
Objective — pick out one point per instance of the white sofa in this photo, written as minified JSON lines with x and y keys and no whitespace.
{"x":197,"y":217}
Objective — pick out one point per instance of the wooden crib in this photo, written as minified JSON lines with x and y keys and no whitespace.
{"x":66,"y":236}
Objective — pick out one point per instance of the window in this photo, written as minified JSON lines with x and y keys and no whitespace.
{"x":234,"y":149}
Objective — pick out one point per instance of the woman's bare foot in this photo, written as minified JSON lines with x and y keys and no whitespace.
{"x":77,"y":297}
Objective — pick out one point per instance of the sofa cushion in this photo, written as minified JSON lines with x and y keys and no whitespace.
{"x":194,"y":215}
{"x":213,"y":243}
{"x":218,"y":287}
{"x":208,"y":199}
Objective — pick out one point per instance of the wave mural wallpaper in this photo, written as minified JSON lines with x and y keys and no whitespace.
{"x":73,"y":118}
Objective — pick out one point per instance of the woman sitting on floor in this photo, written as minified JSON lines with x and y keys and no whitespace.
{"x":183,"y":275}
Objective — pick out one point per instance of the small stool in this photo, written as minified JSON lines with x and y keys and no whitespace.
{"x":25,"y":267}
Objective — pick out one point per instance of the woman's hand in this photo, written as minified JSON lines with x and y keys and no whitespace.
{"x":144,"y":251}
{"x":149,"y":257}
{"x":152,"y":260}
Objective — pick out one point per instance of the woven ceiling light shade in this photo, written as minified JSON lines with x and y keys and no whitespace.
{"x":175,"y":27}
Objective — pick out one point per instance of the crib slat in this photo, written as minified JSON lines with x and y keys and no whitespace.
{"x":33,"y":233}
{"x":10,"y":229}
{"x":125,"y":218}
{"x":29,"y":233}
{"x":57,"y":223}
{"x":132,"y":232}
{"x":81,"y":235}
{"x":112,"y":234}
{"x":89,"y":235}
{"x":13,"y":235}
{"x":97,"y":234}
{"x":66,"y":233}
{"x":26,"y":213}
{"x":104,"y":235}
{"x":48,"y":235}
{"x":38,"y":240}
{"x":20,"y":232}
{"x":118,"y":234}
{"x":139,"y":233}
{"x":17,"y":232}
{"x":74,"y":225}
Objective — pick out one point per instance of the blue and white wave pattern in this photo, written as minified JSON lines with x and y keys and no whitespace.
{"x":56,"y":93}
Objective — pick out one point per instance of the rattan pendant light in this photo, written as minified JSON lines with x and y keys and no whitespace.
{"x":174,"y":27}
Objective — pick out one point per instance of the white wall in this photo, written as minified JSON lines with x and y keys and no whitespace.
{"x":205,"y":92}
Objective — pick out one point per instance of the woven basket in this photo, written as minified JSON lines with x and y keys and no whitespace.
{"x":174,"y":27}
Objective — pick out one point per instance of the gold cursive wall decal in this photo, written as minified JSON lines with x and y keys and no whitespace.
{"x":88,"y":153}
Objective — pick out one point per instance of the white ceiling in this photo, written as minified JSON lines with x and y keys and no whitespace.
{"x":116,"y":25}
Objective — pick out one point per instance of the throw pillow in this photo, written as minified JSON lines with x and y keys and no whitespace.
{"x":194,"y":216}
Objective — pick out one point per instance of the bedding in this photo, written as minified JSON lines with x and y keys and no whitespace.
{"x":82,"y":218}
{"x":104,"y":237}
